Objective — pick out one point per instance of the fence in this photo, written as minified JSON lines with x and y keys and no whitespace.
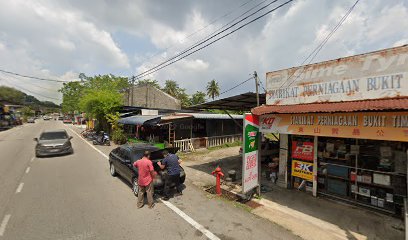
{"x":187,"y":145}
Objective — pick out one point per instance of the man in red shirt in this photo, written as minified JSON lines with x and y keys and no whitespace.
{"x":145,"y":180}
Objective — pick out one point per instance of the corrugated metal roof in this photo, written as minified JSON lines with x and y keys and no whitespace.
{"x":351,"y":106}
{"x":241,"y":102}
{"x":140,"y":120}
{"x":214,"y":116}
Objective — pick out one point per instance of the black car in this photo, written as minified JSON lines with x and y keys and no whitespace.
{"x":53,"y":142}
{"x":121,"y":161}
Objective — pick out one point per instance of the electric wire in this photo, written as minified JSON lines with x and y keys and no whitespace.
{"x":199,"y":30}
{"x":32,"y":77}
{"x":236,"y":86}
{"x":148,"y":72}
{"x":24,"y":89}
{"x":314,"y":53}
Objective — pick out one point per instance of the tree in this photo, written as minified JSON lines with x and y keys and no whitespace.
{"x":12,"y":95}
{"x":71,"y":95}
{"x":198,"y":98}
{"x":213,"y":90}
{"x":172,"y":88}
{"x":148,"y":82}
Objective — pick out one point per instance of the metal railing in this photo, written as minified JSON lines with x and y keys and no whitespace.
{"x":189,"y":145}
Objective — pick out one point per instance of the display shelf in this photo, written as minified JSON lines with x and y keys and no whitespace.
{"x":353,"y":202}
{"x":372,"y":184}
{"x":337,"y":177}
{"x":364,"y":169}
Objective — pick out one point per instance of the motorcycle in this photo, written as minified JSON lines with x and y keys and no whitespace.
{"x":103,"y":139}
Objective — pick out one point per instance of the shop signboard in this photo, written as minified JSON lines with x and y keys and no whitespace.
{"x":302,"y":150}
{"x":250,"y":158}
{"x":391,"y":126}
{"x":375,"y":75}
{"x":302,"y":170}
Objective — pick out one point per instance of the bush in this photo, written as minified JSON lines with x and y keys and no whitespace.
{"x":118,"y":136}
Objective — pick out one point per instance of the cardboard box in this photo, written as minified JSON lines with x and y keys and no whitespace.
{"x":374,"y":201}
{"x":366,"y":179}
{"x":382,"y":179}
{"x":380,"y":202}
{"x":354,"y":188}
{"x":389,"y":197}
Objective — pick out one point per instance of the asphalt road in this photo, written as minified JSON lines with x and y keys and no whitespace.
{"x":74,"y":198}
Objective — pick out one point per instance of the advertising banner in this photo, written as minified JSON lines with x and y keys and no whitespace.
{"x":380,"y":74}
{"x":250,"y":158}
{"x":391,"y":126}
{"x":303,"y":150}
{"x":302,"y":169}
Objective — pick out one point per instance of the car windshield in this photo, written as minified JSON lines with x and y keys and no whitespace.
{"x":53,"y":135}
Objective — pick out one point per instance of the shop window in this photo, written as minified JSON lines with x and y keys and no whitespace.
{"x":369,"y":172}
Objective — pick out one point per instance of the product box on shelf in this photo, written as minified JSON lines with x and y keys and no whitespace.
{"x":364,"y":191}
{"x":382,"y":179}
{"x":380,"y":202}
{"x":374,"y":201}
{"x":366,"y":178}
{"x":389,"y":197}
{"x":354,"y":188}
{"x":353,"y":176}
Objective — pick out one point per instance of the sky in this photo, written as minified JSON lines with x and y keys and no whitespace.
{"x":60,"y":39}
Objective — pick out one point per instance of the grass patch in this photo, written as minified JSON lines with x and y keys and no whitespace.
{"x":226,"y":145}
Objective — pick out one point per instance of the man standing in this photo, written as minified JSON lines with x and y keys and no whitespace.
{"x":172,"y":163}
{"x":145,"y":180}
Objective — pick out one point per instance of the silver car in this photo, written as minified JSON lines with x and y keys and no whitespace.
{"x":53,"y":142}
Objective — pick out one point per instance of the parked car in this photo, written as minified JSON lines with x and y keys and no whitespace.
{"x":46,"y":118}
{"x":67,"y":120}
{"x":53,"y":142}
{"x":121,"y":161}
{"x":60,"y":118}
{"x":31,"y":120}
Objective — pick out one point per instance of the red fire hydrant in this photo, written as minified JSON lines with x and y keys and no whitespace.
{"x":218,"y":174}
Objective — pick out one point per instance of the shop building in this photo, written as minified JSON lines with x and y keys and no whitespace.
{"x":343,"y":128}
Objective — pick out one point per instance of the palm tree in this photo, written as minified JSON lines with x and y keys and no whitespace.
{"x":213,"y":90}
{"x":171,"y":87}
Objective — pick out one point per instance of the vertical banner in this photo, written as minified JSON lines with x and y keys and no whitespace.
{"x":250,"y":158}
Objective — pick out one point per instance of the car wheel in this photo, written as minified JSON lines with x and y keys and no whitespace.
{"x":135,"y":186}
{"x":112,"y":170}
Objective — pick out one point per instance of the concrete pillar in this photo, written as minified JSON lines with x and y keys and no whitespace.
{"x":283,"y":161}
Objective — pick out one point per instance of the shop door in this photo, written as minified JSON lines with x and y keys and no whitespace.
{"x":300,"y":164}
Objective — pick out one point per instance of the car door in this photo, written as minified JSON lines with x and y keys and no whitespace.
{"x":127,"y":166}
{"x":115,"y":159}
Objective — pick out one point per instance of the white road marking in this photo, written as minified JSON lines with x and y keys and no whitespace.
{"x":99,"y":151}
{"x":187,"y":218}
{"x":4,"y":224}
{"x":20,"y":187}
{"x":28,"y":169}
{"x":32,"y":159}
{"x":191,"y":221}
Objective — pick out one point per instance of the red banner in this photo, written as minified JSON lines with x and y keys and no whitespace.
{"x":302,"y":150}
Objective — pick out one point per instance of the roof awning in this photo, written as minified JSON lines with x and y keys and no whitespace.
{"x":141,"y":120}
{"x":351,"y":106}
{"x":241,"y":102}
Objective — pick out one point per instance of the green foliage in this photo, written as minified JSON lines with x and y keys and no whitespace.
{"x":148,"y":82}
{"x":12,"y":95}
{"x":213,"y":89}
{"x":98,"y":103}
{"x":172,"y":88}
{"x":118,"y":136}
{"x":71,"y":94}
{"x":113,"y":119}
{"x":198,"y":98}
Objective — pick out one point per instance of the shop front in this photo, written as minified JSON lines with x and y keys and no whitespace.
{"x":358,"y":157}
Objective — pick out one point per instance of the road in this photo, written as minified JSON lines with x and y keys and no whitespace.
{"x":74,"y":198}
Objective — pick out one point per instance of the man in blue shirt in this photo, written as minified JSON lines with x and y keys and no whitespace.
{"x":172,"y":163}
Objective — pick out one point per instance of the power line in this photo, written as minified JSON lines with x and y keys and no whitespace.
{"x":35,"y":85}
{"x":237,"y":85}
{"x":314,"y":53}
{"x":24,"y":89}
{"x":32,"y":77}
{"x":201,"y":29}
{"x":152,"y":70}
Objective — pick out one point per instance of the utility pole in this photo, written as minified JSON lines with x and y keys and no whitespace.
{"x":256,"y":88}
{"x":133,"y":79}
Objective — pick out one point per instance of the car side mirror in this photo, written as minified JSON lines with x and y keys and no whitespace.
{"x":35,"y":139}
{"x":70,"y":137}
